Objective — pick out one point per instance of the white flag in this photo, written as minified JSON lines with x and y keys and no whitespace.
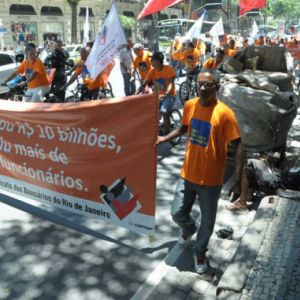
{"x":109,"y":40}
{"x":86,"y":29}
{"x":217,"y":29}
{"x":195,"y":30}
{"x":255,"y":30}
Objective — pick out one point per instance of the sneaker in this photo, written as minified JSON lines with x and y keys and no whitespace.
{"x":201,"y":265}
{"x":185,"y":239}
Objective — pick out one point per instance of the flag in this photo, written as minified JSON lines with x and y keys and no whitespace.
{"x":86,"y":29}
{"x":108,"y":42}
{"x":255,"y":30}
{"x":195,"y":30}
{"x":247,"y":5}
{"x":217,"y":29}
{"x":154,"y":6}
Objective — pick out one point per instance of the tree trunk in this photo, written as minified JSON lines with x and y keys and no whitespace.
{"x":73,"y":6}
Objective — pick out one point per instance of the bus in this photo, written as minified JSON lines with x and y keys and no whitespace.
{"x":167,"y":29}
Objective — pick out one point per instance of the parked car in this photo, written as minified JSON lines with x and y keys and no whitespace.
{"x":8,"y":64}
{"x":74,"y":52}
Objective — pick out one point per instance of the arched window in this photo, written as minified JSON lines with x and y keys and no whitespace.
{"x":82,"y":12}
{"x":20,"y":9}
{"x":51,"y":11}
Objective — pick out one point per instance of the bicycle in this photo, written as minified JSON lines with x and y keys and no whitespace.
{"x":80,"y":92}
{"x":188,"y":88}
{"x":16,"y":92}
{"x":175,"y":120}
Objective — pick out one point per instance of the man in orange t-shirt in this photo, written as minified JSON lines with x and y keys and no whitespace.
{"x":142,"y":60}
{"x":93,"y":85}
{"x":175,"y":46}
{"x":162,"y":77}
{"x":214,"y":62}
{"x":210,"y":126}
{"x":35,"y":74}
{"x":231,"y":51}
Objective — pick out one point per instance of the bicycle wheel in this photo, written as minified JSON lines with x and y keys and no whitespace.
{"x":184,"y":92}
{"x":110,"y":93}
{"x":175,"y":118}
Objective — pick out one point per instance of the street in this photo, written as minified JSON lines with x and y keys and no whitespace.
{"x":43,"y":260}
{"x":47,"y":254}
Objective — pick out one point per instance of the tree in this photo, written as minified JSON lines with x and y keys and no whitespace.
{"x":287,"y":9}
{"x":127,"y":22}
{"x":73,"y":4}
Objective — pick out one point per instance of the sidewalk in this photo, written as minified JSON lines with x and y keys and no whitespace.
{"x":262,"y":261}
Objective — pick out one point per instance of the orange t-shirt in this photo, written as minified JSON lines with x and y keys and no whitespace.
{"x":190,"y":58}
{"x":175,"y":47}
{"x":40,"y":79}
{"x":201,"y":47}
{"x":231,"y":52}
{"x":143,"y":63}
{"x":161,"y":79}
{"x":91,"y":84}
{"x":210,"y":129}
{"x":210,"y":63}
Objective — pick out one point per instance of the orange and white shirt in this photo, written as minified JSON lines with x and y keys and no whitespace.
{"x":210,"y":129}
{"x":27,"y":68}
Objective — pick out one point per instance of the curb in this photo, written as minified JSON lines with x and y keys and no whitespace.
{"x":246,"y":252}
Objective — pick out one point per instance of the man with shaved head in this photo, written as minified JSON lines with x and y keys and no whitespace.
{"x":211,"y":126}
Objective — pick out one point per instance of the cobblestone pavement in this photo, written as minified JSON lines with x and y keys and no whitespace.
{"x":275,"y":273}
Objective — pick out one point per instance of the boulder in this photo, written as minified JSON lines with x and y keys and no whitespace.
{"x":264,"y":118}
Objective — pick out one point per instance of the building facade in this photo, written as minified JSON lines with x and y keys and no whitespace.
{"x":34,"y":20}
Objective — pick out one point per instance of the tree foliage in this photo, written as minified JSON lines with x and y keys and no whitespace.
{"x":287,"y":9}
{"x":127,"y":22}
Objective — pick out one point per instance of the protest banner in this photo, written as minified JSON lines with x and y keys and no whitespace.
{"x":94,"y":158}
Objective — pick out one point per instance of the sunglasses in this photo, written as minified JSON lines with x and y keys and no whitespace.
{"x":206,"y":84}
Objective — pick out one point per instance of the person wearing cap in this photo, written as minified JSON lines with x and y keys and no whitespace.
{"x":141,"y":61}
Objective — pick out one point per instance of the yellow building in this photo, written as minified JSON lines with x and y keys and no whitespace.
{"x":38,"y":21}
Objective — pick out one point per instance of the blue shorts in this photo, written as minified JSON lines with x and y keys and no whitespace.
{"x":166,"y":105}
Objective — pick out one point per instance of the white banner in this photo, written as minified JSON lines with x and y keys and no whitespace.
{"x":195,"y":30}
{"x":255,"y":30}
{"x":217,"y":29}
{"x":109,"y":40}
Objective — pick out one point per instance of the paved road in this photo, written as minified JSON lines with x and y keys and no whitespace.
{"x":41,"y":258}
